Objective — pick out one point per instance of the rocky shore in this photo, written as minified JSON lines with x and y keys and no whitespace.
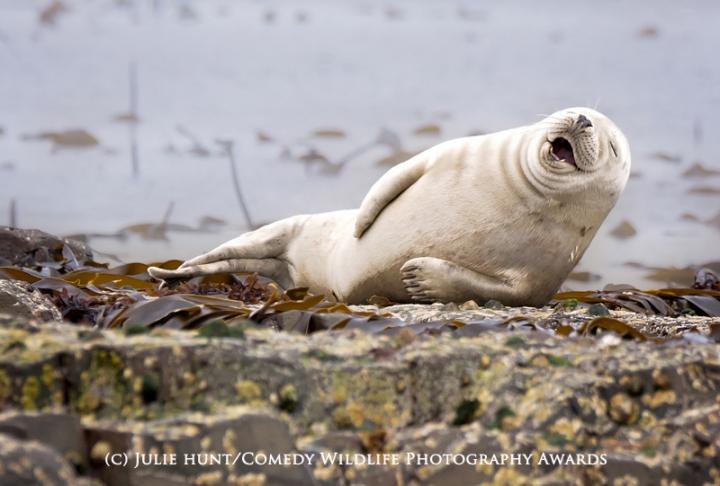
{"x":453,"y":394}
{"x":72,"y":396}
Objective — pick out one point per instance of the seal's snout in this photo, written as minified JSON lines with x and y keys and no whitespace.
{"x":584,"y":122}
{"x":573,"y":142}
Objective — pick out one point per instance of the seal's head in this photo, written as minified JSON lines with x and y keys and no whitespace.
{"x":579,"y":149}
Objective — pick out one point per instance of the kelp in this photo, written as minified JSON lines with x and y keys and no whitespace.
{"x":665,"y":302}
{"x":592,"y":327}
{"x":249,"y":290}
{"x":698,"y":170}
{"x":329,"y":133}
{"x":624,"y":230}
{"x":126,"y":297}
{"x":50,"y":13}
{"x":707,"y":190}
{"x":433,"y":130}
{"x":67,"y":138}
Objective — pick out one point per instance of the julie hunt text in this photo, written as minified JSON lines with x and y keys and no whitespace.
{"x":211,"y":459}
{"x":251,"y":459}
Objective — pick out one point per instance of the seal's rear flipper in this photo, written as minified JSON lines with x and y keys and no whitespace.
{"x":267,"y":267}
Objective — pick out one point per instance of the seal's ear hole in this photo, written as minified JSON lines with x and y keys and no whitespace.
{"x":613,"y":148}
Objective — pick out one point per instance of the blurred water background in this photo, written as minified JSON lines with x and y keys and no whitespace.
{"x":116,"y":116}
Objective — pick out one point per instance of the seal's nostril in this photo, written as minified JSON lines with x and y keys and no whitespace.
{"x":584,"y":122}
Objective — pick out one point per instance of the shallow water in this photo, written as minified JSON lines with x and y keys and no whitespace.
{"x":224,"y":69}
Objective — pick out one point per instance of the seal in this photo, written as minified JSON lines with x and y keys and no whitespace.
{"x":504,"y":216}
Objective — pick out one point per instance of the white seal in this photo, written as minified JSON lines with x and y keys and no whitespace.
{"x":504,"y":216}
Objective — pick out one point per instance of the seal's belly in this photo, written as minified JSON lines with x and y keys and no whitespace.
{"x":468,"y":227}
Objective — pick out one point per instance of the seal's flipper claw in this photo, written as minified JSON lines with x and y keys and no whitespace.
{"x":172,"y":283}
{"x":168,"y":278}
{"x":421,"y":297}
{"x":159,"y":273}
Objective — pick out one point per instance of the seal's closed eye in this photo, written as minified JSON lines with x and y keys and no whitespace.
{"x":613,"y":148}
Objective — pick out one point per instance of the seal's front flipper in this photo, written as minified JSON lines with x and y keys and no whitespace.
{"x":430,"y":279}
{"x":267,"y":267}
{"x":390,"y":186}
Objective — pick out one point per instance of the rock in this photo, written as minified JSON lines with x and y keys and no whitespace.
{"x":649,"y":410}
{"x":598,"y":310}
{"x":222,"y":446}
{"x":29,"y":463}
{"x":19,"y":246}
{"x":623,"y":409}
{"x":490,"y":304}
{"x":286,"y":320}
{"x":20,"y":300}
{"x":60,"y":431}
{"x":341,"y":442}
{"x":40,"y":381}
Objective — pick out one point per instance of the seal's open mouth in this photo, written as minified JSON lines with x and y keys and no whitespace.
{"x":562,"y":150}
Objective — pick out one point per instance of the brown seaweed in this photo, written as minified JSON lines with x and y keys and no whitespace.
{"x":126,"y":297}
